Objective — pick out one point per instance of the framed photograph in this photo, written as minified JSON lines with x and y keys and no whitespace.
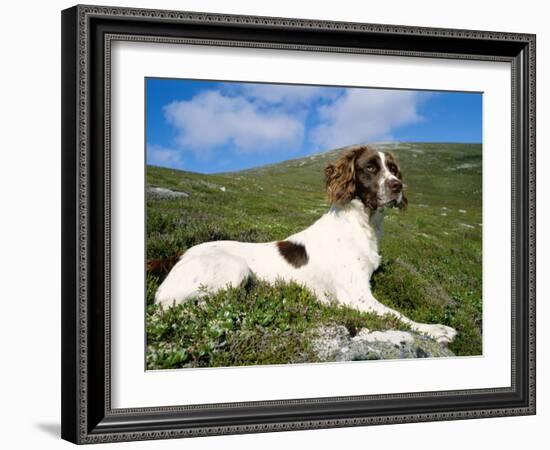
{"x":280,"y":224}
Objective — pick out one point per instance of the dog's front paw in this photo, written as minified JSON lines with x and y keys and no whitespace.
{"x":440,"y":333}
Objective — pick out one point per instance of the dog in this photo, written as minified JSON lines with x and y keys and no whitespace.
{"x":335,"y":257}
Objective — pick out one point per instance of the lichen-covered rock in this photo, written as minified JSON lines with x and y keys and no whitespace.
{"x":159,"y":193}
{"x":328,"y":341}
{"x":334,"y":343}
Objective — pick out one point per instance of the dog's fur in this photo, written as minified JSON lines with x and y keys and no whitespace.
{"x":335,"y":257}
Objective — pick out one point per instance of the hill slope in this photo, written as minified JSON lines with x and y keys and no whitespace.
{"x":431,"y":253}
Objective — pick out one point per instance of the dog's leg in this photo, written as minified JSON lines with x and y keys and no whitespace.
{"x":195,"y":276}
{"x":441,"y":333}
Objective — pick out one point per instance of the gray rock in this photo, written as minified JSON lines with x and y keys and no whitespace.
{"x":328,"y":341}
{"x":334,"y":343}
{"x":159,"y":193}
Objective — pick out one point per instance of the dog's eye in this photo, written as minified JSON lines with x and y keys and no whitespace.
{"x":371,"y":168}
{"x":393,"y":169}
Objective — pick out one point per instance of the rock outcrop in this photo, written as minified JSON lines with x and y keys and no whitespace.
{"x":334,"y":343}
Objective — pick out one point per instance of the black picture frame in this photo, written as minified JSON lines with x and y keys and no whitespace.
{"x":87,"y":416}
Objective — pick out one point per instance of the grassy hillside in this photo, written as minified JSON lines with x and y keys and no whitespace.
{"x":431,"y":253}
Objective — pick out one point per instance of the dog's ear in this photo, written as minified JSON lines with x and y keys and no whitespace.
{"x":340,"y":179}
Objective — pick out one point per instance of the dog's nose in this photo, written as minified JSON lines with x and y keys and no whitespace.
{"x":395,"y":185}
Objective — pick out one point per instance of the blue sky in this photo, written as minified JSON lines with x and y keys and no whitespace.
{"x":210,"y":126}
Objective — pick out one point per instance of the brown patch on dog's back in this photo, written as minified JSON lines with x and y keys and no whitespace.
{"x":294,"y":254}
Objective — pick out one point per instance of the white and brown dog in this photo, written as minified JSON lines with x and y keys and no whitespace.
{"x":335,"y":257}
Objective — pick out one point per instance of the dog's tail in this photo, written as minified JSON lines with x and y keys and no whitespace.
{"x":160,"y":267}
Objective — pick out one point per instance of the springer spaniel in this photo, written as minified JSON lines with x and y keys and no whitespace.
{"x":335,"y":257}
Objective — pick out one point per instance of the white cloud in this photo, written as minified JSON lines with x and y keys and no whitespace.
{"x":288,"y":95}
{"x":363,"y":115}
{"x":165,"y":157}
{"x":262,"y":118}
{"x":212,"y":119}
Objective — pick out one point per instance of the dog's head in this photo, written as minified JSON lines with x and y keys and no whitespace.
{"x":373,"y":177}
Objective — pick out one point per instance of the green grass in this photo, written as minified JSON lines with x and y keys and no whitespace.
{"x":431,"y":253}
{"x":254,"y":324}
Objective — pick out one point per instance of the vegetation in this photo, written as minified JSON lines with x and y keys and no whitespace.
{"x":431,"y":269}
